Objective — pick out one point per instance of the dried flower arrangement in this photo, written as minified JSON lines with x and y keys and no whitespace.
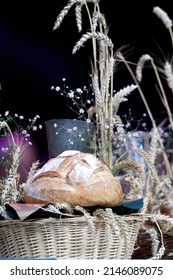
{"x":155,"y":183}
{"x":105,"y":101}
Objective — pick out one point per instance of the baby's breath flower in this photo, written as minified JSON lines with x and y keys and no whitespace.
{"x":79,"y":90}
{"x":81,"y":111}
{"x":57,"y":88}
{"x":24,"y":132}
{"x":71,"y":94}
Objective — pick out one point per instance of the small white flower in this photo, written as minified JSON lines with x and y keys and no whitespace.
{"x":6,"y":113}
{"x":55,"y":125}
{"x":64,"y":79}
{"x":88,"y":120}
{"x":79,"y":90}
{"x":128,"y":125}
{"x":21,"y":117}
{"x":40,"y":126}
{"x":120,"y":130}
{"x":52,"y":87}
{"x":57,"y":88}
{"x":24,"y":132}
{"x":34,"y":128}
{"x":81,"y":111}
{"x":75,"y":128}
{"x":69,"y":130}
{"x":71,"y":94}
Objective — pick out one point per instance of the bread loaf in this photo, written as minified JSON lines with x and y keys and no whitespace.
{"x":75,"y":178}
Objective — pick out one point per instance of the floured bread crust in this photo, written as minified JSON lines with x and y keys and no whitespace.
{"x":75,"y":178}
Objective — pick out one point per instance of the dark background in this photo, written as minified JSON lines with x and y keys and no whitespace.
{"x":33,"y":57}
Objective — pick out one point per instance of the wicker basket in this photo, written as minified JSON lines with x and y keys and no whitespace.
{"x":70,"y":237}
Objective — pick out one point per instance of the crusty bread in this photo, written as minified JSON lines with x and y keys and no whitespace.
{"x":75,"y":178}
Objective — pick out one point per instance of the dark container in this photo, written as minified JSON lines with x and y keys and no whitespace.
{"x":68,"y":134}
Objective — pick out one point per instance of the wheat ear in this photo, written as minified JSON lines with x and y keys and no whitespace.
{"x":132,"y":165}
{"x":90,"y":35}
{"x":153,"y":145}
{"x":120,"y":96}
{"x":63,"y":13}
{"x":168,"y":74}
{"x":160,"y":13}
{"x":78,"y":14}
{"x":149,"y":162}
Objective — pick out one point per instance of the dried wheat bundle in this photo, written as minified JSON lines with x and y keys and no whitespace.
{"x":110,"y":222}
{"x":9,"y":186}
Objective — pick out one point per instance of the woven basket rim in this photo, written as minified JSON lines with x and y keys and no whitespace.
{"x":81,"y":219}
